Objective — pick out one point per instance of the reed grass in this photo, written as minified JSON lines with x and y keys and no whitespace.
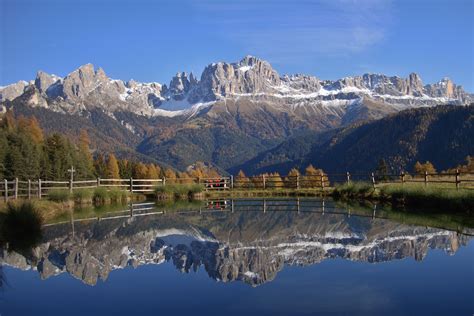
{"x":82,"y":195}
{"x":178,"y":190}
{"x":59,"y":195}
{"x":439,"y":197}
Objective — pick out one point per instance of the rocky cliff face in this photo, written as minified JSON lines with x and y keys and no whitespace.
{"x":228,"y":116}
{"x":253,"y":251}
{"x":250,"y":79}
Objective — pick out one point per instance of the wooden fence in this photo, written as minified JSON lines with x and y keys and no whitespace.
{"x":39,"y":188}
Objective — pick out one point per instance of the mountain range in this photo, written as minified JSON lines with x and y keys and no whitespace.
{"x":247,"y":246}
{"x":230,"y":116}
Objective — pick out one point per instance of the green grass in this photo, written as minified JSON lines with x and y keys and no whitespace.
{"x":117,"y":195}
{"x":354,"y":190}
{"x":417,"y":195}
{"x":59,"y":195}
{"x":178,"y":190}
{"x":100,"y":195}
{"x":82,"y":195}
{"x":437,"y":197}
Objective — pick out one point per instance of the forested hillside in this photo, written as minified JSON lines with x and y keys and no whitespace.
{"x":443,"y":135}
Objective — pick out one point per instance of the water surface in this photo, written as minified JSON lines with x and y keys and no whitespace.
{"x":253,"y":257}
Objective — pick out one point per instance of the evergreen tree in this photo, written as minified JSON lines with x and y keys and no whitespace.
{"x":125,"y":169}
{"x":4,"y":149}
{"x":58,"y":152}
{"x":382,"y":170}
{"x":100,"y":166}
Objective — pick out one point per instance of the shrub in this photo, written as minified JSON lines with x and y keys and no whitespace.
{"x":100,"y":195}
{"x":178,"y":190}
{"x":59,"y":195}
{"x":117,"y":195}
{"x":353,"y":190}
{"x":82,"y":195}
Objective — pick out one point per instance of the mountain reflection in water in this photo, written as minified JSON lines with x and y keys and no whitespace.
{"x":242,"y":240}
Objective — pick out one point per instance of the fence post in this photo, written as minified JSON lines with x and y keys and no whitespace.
{"x":426,"y":178}
{"x":402,"y":176}
{"x":39,"y":189}
{"x":6,"y":190}
{"x":348,"y":175}
{"x":98,"y":182}
{"x":297,"y":182}
{"x":29,"y":189}
{"x":164,"y":181}
{"x":264,"y":183}
{"x":373,"y":179}
{"x":16,"y":188}
{"x":232,"y":184}
{"x":458,"y":179}
{"x":322,"y":180}
{"x":70,"y":185}
{"x":131,"y":185}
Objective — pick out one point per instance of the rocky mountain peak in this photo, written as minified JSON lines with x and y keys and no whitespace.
{"x":12,"y":91}
{"x":415,"y":85}
{"x":180,"y":84}
{"x":47,"y":83}
{"x":79,"y":83}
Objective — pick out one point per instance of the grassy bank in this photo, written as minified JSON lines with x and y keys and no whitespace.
{"x":95,"y":196}
{"x":410,"y":195}
{"x":178,"y":191}
{"x":58,"y":203}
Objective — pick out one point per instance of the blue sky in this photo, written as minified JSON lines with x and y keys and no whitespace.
{"x":152,"y":40}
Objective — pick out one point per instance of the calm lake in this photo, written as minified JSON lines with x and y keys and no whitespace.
{"x":244,"y":257}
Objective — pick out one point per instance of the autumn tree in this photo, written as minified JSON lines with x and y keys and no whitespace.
{"x":153,"y":172}
{"x":112,"y":167}
{"x":421,"y":168}
{"x":274,"y":181}
{"x":312,"y":177}
{"x":31,"y":127}
{"x":85,"y":164}
{"x":241,"y":180}
{"x":170,"y":175}
{"x":292,"y":178}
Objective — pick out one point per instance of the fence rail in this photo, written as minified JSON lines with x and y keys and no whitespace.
{"x":13,"y":189}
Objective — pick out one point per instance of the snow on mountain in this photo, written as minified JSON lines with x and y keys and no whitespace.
{"x":250,"y":79}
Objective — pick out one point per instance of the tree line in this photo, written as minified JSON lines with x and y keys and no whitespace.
{"x":26,"y":152}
